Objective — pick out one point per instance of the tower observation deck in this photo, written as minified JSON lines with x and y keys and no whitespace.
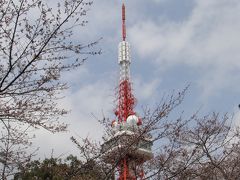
{"x":128,"y":148}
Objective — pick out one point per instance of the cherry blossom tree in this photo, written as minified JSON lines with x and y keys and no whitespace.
{"x":36,"y":47}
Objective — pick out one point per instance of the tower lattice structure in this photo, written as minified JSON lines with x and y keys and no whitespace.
{"x":127,"y":158}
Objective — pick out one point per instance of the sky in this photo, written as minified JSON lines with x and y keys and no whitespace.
{"x":173,"y":43}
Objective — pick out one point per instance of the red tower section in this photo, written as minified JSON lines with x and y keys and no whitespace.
{"x":126,"y":101}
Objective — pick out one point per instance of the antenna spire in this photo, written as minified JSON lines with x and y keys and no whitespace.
{"x":124,"y":34}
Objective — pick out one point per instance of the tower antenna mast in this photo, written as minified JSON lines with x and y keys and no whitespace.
{"x":124,"y":32}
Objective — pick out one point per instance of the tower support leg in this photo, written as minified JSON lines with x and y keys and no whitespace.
{"x":125,"y":171}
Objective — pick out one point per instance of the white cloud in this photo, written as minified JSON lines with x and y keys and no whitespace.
{"x":208,"y":39}
{"x":145,"y":90}
{"x":87,"y":100}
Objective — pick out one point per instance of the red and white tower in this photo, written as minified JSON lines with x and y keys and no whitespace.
{"x":128,"y":149}
{"x":126,"y":100}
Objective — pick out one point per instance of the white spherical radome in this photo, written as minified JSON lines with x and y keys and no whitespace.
{"x":132,"y":120}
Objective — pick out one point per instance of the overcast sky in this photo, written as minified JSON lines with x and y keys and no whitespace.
{"x":173,"y":42}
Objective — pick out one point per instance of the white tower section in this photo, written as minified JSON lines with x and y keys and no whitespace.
{"x":124,"y":60}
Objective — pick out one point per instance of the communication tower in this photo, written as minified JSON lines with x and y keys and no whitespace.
{"x":128,"y":148}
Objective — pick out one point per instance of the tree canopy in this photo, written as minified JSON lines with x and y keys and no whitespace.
{"x":57,"y":169}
